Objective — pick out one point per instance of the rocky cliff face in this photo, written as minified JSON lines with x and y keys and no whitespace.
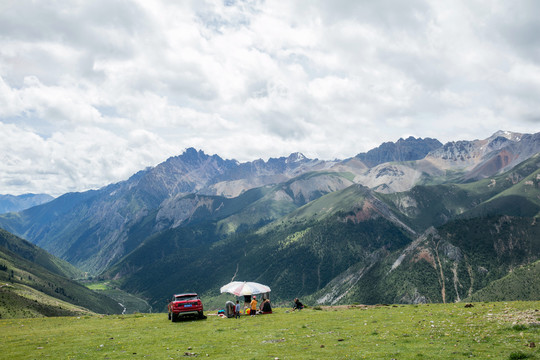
{"x":402,"y":150}
{"x":481,"y":158}
{"x":196,"y":172}
{"x":464,"y":160}
{"x":258,"y":173}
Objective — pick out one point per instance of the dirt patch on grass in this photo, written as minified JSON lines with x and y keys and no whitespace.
{"x":516,"y":317}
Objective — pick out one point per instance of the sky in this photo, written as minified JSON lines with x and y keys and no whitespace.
{"x":93,"y":91}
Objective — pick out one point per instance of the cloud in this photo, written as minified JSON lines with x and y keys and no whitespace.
{"x":91,"y":92}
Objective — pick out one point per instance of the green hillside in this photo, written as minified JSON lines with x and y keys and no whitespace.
{"x":283,"y":199}
{"x":521,"y":284}
{"x":296,"y":258}
{"x":521,"y":198}
{"x":496,"y":244}
{"x":28,"y":285}
{"x":340,"y":201}
{"x":514,"y":193}
{"x":37,"y":255}
{"x":21,"y":301}
{"x":446,"y":264}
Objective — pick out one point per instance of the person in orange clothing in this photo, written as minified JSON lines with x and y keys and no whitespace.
{"x":253,"y":310}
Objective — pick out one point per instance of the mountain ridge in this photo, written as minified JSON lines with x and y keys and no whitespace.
{"x":99,"y":220}
{"x":267,"y":220}
{"x":402,"y":150}
{"x":15,"y":203}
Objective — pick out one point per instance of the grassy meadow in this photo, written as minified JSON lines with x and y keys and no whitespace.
{"x":505,"y":330}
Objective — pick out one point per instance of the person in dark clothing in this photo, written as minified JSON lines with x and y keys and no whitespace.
{"x":297,"y":305}
{"x":266,"y":307}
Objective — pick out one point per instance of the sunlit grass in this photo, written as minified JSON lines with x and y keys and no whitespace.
{"x":435,"y":331}
{"x":102,"y":285}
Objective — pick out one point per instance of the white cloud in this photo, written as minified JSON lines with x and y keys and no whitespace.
{"x":91,"y":92}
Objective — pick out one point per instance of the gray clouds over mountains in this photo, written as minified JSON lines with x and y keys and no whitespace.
{"x":92,"y":91}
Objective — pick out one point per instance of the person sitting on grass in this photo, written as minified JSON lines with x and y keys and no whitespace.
{"x":297,"y":305}
{"x":266,"y":308}
{"x":247,"y":303}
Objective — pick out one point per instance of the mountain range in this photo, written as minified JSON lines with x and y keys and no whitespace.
{"x":12,"y":203}
{"x":411,"y":221}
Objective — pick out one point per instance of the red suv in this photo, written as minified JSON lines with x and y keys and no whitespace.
{"x":185,"y":304}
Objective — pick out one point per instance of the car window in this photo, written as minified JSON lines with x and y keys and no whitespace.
{"x":186,"y":298}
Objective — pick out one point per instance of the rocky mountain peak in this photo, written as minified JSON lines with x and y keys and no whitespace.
{"x":192,"y":156}
{"x":402,"y":150}
{"x":513,"y":136}
{"x":295,"y":157}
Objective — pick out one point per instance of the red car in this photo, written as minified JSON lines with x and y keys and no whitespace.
{"x":185,"y":304}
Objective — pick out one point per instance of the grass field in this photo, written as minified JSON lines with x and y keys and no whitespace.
{"x":435,"y":331}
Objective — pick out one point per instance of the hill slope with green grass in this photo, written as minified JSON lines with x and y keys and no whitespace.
{"x":37,"y":255}
{"x":29,"y":289}
{"x":521,"y":284}
{"x":445,"y":264}
{"x":514,"y":193}
{"x":22,"y":301}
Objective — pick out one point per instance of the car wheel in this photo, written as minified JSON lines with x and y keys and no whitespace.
{"x":174,"y":317}
{"x":201,"y":315}
{"x":169,"y":316}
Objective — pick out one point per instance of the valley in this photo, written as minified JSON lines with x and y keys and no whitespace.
{"x":409,"y":222}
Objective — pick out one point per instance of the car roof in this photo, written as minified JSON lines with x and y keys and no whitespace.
{"x":186,"y":294}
